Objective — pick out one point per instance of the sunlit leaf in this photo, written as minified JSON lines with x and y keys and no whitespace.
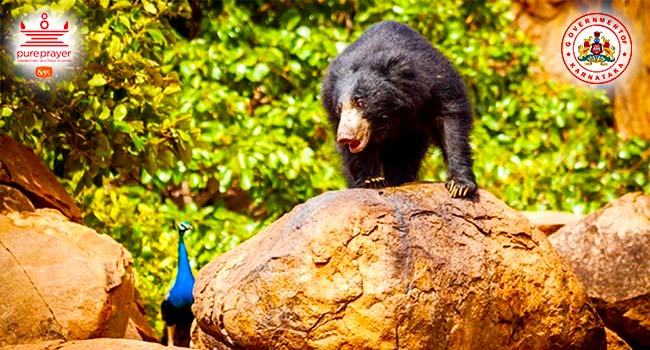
{"x":149,"y":7}
{"x":97,"y":80}
{"x":120,"y":112}
{"x":259,"y":72}
{"x":6,"y":111}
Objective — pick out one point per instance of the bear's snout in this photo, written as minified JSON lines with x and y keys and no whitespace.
{"x":353,"y":130}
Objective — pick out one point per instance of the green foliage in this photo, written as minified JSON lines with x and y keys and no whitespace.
{"x":226,"y":130}
{"x":119,"y":111}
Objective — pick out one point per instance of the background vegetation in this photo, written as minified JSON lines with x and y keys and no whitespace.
{"x":212,"y":115}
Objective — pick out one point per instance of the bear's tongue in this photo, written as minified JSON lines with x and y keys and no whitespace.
{"x":353,"y":145}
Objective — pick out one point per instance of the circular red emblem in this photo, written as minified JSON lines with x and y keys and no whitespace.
{"x":596,"y":48}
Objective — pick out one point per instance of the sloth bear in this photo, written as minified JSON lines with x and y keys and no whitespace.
{"x":389,"y":96}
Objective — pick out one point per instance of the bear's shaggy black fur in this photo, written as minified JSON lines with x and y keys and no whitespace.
{"x":389,"y":96}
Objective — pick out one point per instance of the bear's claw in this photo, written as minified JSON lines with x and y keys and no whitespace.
{"x":375,"y":182}
{"x":460,"y":188}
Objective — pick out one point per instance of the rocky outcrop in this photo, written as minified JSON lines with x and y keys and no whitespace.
{"x":551,"y":221}
{"x":92,"y":344}
{"x":630,"y":103}
{"x":22,"y":170}
{"x":614,"y":342}
{"x":60,"y":280}
{"x":405,"y":267}
{"x":609,"y":251}
{"x":138,"y":327}
{"x":12,"y":200}
{"x":201,"y":340}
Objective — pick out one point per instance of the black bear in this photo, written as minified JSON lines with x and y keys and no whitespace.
{"x":389,"y":96}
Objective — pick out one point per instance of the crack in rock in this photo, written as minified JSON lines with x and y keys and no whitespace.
{"x":61,"y":328}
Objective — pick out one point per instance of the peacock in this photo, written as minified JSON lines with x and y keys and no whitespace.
{"x":176,"y":309}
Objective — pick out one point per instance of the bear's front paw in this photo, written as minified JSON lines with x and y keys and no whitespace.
{"x":375,"y":182}
{"x":459,"y":188}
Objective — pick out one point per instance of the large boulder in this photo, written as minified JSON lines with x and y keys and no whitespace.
{"x":60,"y":280}
{"x":22,"y":170}
{"x":404,"y":267}
{"x":609,"y":250}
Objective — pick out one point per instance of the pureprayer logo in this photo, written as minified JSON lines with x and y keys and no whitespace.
{"x":46,"y":45}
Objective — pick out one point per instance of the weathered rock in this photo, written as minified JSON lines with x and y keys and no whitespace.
{"x":630,"y":102}
{"x":614,"y":342}
{"x":20,"y":168}
{"x":201,"y":340}
{"x":405,"y":267}
{"x":138,"y":327}
{"x":92,"y":344}
{"x":12,"y":200}
{"x":550,"y":221}
{"x":60,"y":280}
{"x":609,"y":251}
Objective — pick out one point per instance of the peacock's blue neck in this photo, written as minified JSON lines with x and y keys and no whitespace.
{"x":184,"y":269}
{"x":181,"y":292}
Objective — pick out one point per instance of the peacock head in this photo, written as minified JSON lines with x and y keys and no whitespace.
{"x":184,"y":227}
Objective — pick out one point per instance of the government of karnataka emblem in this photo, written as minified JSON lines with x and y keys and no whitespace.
{"x":588,"y":51}
{"x":596,"y":49}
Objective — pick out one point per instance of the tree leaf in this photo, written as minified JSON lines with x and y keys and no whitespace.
{"x":149,"y":7}
{"x":259,"y":72}
{"x":97,"y":80}
{"x":120,"y":112}
{"x":6,"y":111}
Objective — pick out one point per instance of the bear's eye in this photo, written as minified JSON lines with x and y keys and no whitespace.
{"x":360,"y":103}
{"x":339,"y":107}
